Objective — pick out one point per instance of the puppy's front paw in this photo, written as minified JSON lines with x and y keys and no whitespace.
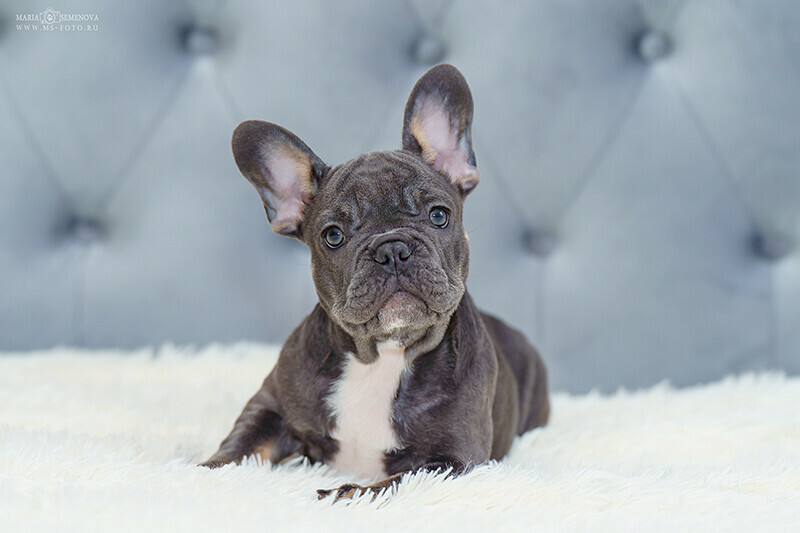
{"x":345,"y":492}
{"x":217,"y":460}
{"x":211,"y":464}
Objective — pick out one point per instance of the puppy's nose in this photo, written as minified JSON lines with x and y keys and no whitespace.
{"x":392,"y":254}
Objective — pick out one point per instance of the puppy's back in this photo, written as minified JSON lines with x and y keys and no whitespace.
{"x":528,"y":370}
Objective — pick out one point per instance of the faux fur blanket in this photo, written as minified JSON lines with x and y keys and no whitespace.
{"x":108,"y":441}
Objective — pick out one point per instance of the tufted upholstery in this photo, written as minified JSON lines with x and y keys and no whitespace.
{"x":637,"y":216}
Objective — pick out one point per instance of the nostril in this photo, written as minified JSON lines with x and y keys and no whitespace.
{"x":381,"y":257}
{"x":403,"y":252}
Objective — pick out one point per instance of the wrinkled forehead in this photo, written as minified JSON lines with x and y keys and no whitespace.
{"x":382,"y":184}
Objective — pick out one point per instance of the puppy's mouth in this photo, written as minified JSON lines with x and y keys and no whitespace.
{"x":400,"y":310}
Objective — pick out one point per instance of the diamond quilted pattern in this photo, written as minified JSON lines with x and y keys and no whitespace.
{"x":739,"y":65}
{"x":621,"y":303}
{"x":91,"y":98}
{"x":574,"y":75}
{"x":39,"y":271}
{"x":333,"y":90}
{"x":654,"y":143}
{"x":210,"y":254}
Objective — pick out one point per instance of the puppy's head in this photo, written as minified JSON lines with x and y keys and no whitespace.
{"x":389,"y":254}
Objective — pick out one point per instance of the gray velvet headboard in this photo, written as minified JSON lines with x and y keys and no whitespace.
{"x":637,"y":214}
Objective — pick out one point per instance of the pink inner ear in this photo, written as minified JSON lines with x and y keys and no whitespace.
{"x":288,"y":176}
{"x":447,"y":153}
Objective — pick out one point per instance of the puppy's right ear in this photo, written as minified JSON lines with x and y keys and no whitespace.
{"x":284,"y":171}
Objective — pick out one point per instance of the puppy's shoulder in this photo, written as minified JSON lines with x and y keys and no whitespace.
{"x":313,"y":345}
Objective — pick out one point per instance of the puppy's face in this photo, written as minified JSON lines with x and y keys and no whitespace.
{"x":388,"y":250}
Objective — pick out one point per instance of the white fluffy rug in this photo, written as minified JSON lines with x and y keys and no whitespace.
{"x":107,"y":441}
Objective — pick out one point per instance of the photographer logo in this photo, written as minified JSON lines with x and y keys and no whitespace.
{"x":50,"y":16}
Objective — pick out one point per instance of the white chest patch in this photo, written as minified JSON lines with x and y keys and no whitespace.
{"x":362,"y":403}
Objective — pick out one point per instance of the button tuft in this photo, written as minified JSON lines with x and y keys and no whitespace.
{"x":653,"y":45}
{"x":84,"y":230}
{"x":200,"y":41}
{"x":429,"y":49}
{"x":772,"y":246}
{"x":539,"y":242}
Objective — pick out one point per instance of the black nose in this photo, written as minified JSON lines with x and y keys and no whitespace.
{"x":392,"y":254}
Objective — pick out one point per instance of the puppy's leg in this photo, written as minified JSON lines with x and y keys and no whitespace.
{"x":258,"y":430}
{"x":349,"y":490}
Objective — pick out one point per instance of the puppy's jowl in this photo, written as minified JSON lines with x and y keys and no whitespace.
{"x":395,"y":369}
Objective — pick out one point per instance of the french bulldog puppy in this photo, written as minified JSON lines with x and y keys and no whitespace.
{"x":395,"y":369}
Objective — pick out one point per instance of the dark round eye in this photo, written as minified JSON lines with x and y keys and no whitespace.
{"x":334,"y":237}
{"x":439,"y":217}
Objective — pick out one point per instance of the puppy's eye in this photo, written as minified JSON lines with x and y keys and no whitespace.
{"x":333,"y":236}
{"x":439,"y":217}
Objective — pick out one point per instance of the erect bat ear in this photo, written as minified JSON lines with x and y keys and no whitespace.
{"x":284,"y":171}
{"x":438,"y":125}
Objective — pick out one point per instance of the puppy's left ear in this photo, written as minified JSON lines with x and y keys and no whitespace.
{"x":438,"y":125}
